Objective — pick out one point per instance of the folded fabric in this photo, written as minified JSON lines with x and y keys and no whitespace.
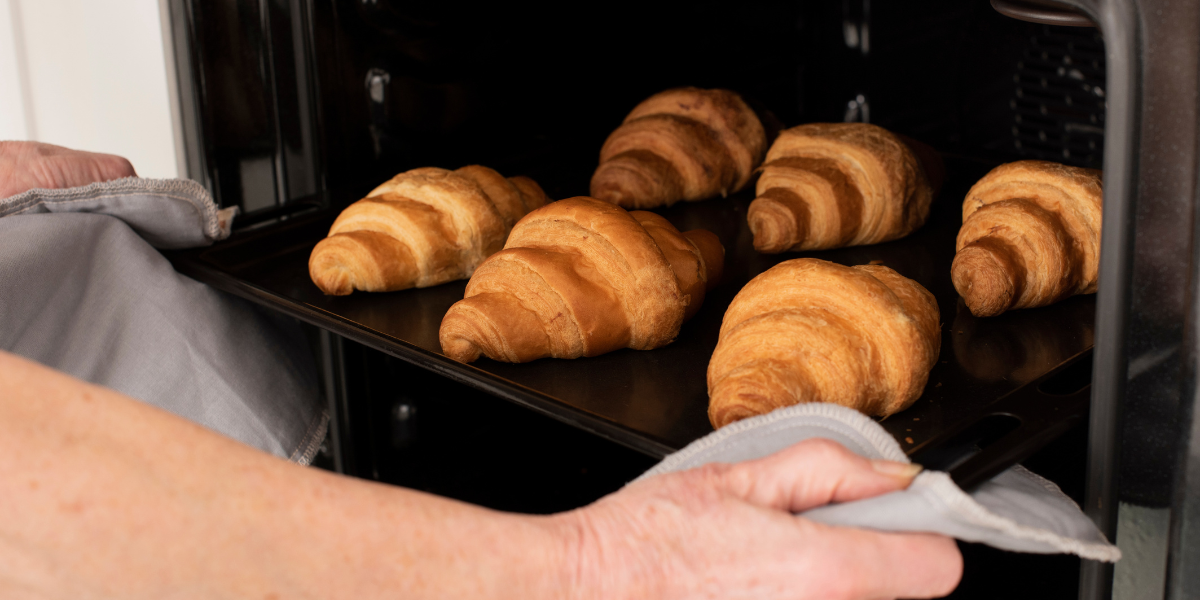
{"x":167,"y":213}
{"x":83,"y":291}
{"x":1017,"y":510}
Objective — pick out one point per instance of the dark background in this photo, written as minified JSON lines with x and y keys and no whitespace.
{"x":286,"y":108}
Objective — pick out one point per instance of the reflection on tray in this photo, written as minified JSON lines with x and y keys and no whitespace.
{"x":1021,"y":345}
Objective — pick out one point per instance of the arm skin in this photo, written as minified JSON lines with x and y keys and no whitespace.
{"x":107,"y":497}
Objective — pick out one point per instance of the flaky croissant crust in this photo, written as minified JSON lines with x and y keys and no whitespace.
{"x":1030,"y":237}
{"x":681,"y":144}
{"x":808,"y":330}
{"x":423,"y":227}
{"x":581,"y":277}
{"x":828,"y":185}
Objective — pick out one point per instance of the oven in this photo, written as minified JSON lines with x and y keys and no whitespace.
{"x":292,"y":109}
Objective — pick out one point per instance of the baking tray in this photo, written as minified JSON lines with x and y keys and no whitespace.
{"x":1005,"y":383}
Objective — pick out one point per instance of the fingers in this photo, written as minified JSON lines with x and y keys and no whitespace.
{"x":111,"y":166}
{"x":813,"y":473}
{"x":28,"y":165}
{"x":870,"y":564}
{"x":72,"y":168}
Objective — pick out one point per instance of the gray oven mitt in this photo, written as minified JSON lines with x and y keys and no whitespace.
{"x":1016,"y":510}
{"x":83,"y":290}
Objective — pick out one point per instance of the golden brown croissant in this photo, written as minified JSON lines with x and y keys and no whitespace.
{"x":681,"y":144}
{"x":807,"y":330}
{"x":828,"y":185}
{"x":1030,"y":237}
{"x":423,"y":227}
{"x":582,"y":277}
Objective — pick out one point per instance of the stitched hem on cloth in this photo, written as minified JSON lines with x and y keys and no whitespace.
{"x":935,"y":486}
{"x":311,"y":442}
{"x":942,"y":489}
{"x":216,"y":222}
{"x":814,"y":414}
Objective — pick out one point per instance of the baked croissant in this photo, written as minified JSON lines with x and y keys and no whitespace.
{"x":581,"y":277}
{"x":423,"y":227}
{"x":829,"y":185}
{"x":681,"y":144}
{"x":1030,"y":237}
{"x":807,"y":330}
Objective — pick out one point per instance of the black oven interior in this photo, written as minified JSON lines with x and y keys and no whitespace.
{"x":386,"y":86}
{"x":284,"y":99}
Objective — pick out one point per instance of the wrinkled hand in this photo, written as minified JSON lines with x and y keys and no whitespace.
{"x":724,"y":531}
{"x":28,"y":165}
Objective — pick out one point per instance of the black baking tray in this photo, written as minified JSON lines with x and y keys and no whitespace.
{"x":1007,"y":382}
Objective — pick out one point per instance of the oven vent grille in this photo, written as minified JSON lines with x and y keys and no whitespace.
{"x":1058,"y":102}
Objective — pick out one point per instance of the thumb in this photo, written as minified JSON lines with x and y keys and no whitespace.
{"x":81,"y":168}
{"x":111,"y":166}
{"x":815,"y":472}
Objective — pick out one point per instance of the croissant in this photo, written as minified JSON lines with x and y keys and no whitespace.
{"x":423,"y":227}
{"x":807,"y":330}
{"x":1030,"y":237}
{"x":681,"y":144}
{"x":581,"y":277}
{"x":829,"y":185}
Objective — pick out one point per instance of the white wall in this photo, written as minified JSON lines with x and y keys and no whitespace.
{"x":12,"y":105}
{"x":88,"y":74}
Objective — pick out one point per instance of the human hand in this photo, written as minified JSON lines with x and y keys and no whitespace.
{"x":725,"y":531}
{"x":28,"y":165}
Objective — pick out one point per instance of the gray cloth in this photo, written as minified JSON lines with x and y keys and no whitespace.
{"x":1017,"y":510}
{"x":167,"y":213}
{"x":85,"y":292}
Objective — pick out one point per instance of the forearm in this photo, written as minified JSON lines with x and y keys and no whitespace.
{"x":116,"y":498}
